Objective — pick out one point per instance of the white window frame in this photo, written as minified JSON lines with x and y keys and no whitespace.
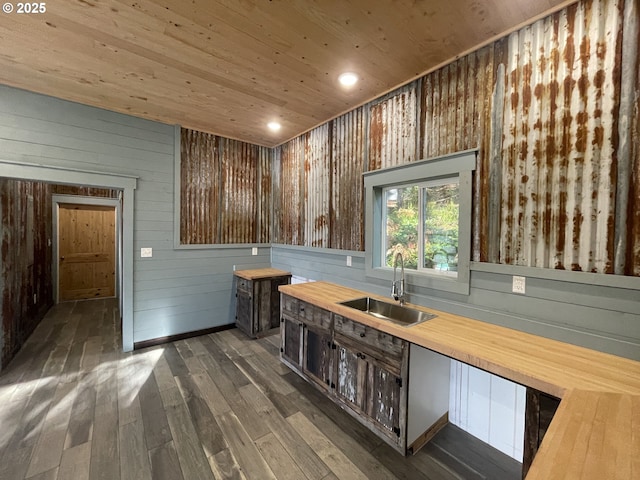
{"x":459,"y":165}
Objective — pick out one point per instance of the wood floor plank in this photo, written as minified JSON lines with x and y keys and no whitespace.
{"x":48,"y":450}
{"x":254,"y":425}
{"x":164,"y":463}
{"x":81,"y":422}
{"x":156,"y":425}
{"x":216,"y":349}
{"x":193,"y":461}
{"x":244,"y":450}
{"x":162,"y":372}
{"x":211,"y":394}
{"x":209,"y":433}
{"x":306,"y":457}
{"x":175,"y":361}
{"x":134,"y":458}
{"x":75,"y":463}
{"x":278,"y":459}
{"x":105,"y":443}
{"x":224,"y":465}
{"x":48,"y":475}
{"x":337,"y":461}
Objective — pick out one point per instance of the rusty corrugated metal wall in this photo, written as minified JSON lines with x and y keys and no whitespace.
{"x":290,"y":197}
{"x":349,"y":156}
{"x":542,"y":107}
{"x":393,"y":133}
{"x":221,"y":181}
{"x":317,"y":186}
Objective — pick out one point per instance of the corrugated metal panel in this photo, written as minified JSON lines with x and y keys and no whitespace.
{"x":349,"y":141}
{"x":558,"y":198}
{"x":265,"y":197}
{"x":221,"y":180}
{"x":199,"y":181}
{"x":291,"y":195}
{"x":238,"y":191}
{"x":317,"y":189}
{"x":393,"y":128}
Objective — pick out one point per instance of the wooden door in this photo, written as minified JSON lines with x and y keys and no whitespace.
{"x":317,"y":357}
{"x":351,"y":374}
{"x":291,"y":340}
{"x":87,"y":251}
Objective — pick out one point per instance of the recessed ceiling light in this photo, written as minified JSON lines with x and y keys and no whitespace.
{"x":274,"y":126}
{"x":348,"y":79}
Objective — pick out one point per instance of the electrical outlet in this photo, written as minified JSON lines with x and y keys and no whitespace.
{"x":254,"y":250}
{"x":348,"y":260}
{"x":519,"y":284}
{"x":146,"y":252}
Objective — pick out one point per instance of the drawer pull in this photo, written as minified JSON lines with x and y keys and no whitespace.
{"x":362,"y":335}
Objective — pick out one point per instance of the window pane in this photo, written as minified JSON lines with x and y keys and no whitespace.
{"x":402,"y":214}
{"x":441,"y":207}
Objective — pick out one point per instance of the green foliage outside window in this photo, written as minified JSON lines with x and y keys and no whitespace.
{"x":440,"y":230}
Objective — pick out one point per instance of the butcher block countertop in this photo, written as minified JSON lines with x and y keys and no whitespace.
{"x":596,"y":430}
{"x":259,"y":273}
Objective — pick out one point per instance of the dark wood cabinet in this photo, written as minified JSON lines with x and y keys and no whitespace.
{"x":317,"y":356}
{"x":258,"y":299}
{"x":371,"y":376}
{"x":362,"y":369}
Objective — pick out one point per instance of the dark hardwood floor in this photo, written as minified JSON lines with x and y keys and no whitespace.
{"x":73,"y":406}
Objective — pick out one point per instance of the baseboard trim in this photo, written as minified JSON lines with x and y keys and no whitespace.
{"x":180,"y":336}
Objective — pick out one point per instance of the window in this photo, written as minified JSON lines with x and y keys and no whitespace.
{"x":422,"y":210}
{"x":421,"y":223}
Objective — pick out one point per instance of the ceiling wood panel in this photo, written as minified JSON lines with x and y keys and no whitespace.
{"x":229,"y":67}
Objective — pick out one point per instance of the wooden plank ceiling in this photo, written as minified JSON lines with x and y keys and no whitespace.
{"x":229,"y":67}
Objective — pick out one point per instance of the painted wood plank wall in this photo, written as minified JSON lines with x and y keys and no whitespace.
{"x":176,"y":290}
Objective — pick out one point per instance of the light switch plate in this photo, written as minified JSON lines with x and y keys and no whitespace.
{"x":254,"y":250}
{"x":348,"y":260}
{"x":519,"y":284}
{"x":146,"y":252}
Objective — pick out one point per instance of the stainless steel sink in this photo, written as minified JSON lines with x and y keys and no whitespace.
{"x":392,"y":312}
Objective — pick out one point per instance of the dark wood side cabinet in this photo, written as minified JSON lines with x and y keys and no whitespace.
{"x":258,"y":299}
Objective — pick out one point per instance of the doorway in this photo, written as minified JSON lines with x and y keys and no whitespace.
{"x":86,"y":251}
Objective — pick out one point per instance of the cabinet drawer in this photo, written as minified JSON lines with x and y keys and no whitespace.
{"x":289,"y":305}
{"x":383,"y":342}
{"x":312,"y":315}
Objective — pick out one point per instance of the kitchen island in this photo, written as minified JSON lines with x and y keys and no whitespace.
{"x":595,"y":432}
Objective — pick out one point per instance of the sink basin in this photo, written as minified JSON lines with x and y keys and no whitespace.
{"x":392,"y":312}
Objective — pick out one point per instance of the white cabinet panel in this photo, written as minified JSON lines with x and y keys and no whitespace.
{"x":488,"y":407}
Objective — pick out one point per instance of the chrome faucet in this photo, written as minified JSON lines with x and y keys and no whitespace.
{"x":398,"y":293}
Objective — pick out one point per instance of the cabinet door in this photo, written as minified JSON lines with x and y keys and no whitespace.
{"x":244,"y":311}
{"x":291,"y":340}
{"x":384,"y":398}
{"x":351,"y":375}
{"x":318,"y":356}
